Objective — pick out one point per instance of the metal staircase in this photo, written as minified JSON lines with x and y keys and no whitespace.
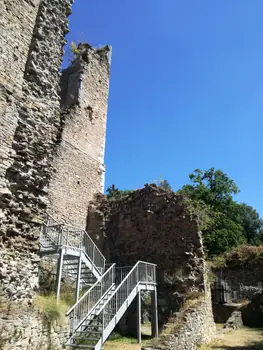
{"x":78,"y":256}
{"x":95,"y":315}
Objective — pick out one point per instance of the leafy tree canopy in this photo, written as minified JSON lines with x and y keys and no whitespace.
{"x":231,"y":223}
{"x":252,"y":224}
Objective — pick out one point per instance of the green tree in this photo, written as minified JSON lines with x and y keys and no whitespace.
{"x":252,"y":224}
{"x":212,"y":186}
{"x":222,"y":234}
{"x":230,"y":223}
{"x":114,"y":193}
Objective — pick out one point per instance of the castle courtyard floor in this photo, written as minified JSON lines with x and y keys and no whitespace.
{"x":240,"y":339}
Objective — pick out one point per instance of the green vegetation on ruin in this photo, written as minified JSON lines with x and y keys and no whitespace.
{"x":243,"y":255}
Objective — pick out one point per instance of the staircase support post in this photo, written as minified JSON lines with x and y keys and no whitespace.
{"x":139,"y":318}
{"x":59,"y":274}
{"x":155,"y":331}
{"x":78,"y":280}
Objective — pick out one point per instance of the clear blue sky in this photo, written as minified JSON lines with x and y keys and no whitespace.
{"x":186,"y":88}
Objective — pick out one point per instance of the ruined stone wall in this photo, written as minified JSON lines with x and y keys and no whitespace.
{"x":29,"y":330}
{"x":51,"y":150}
{"x":32,"y":38}
{"x":196,"y":326}
{"x":152,"y":225}
{"x":246,"y":279}
{"x":79,"y":161}
{"x":34,"y":117}
{"x":17,"y":20}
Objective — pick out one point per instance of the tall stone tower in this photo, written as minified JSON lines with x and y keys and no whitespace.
{"x":79,"y":162}
{"x":52,"y":133}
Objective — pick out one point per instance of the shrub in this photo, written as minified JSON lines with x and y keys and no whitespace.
{"x":242,"y":255}
{"x":113,"y":193}
{"x":51,"y":310}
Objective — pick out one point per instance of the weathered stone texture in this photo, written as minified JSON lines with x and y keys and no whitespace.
{"x":42,"y":76}
{"x":246,"y":280}
{"x":25,"y":328}
{"x":152,"y":225}
{"x":222,"y":312}
{"x":19,"y":276}
{"x":72,"y":185}
{"x":26,"y":179}
{"x":196,"y":327}
{"x":8,"y":123}
{"x":40,"y":137}
{"x":79,"y":163}
{"x":235,"y":320}
{"x":31,"y":119}
{"x":17,"y":21}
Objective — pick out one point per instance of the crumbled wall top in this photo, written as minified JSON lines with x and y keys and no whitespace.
{"x":153,"y":225}
{"x":104,"y":52}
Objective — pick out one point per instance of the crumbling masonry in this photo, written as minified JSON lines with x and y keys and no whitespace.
{"x":52,"y":133}
{"x":52,"y":140}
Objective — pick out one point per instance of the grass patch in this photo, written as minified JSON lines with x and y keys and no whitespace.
{"x":51,"y":310}
{"x":117,"y":338}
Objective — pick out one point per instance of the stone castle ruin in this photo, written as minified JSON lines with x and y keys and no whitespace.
{"x":52,"y":128}
{"x":52,"y":142}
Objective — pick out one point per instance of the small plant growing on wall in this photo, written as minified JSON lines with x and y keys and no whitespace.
{"x":74,"y":49}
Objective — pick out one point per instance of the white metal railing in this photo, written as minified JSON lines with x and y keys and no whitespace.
{"x":50,"y":235}
{"x":88,"y":302}
{"x":73,"y":237}
{"x":50,"y":221}
{"x":142,"y":272}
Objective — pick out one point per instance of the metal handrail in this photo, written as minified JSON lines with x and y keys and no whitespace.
{"x":74,"y":237}
{"x":88,"y":302}
{"x":50,"y":221}
{"x":141,"y":272}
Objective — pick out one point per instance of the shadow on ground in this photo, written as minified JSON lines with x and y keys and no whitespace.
{"x":252,"y":346}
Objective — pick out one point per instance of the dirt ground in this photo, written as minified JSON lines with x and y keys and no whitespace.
{"x":121,"y":346}
{"x":241,"y":339}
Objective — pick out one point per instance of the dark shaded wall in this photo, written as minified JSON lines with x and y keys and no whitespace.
{"x":152,"y":225}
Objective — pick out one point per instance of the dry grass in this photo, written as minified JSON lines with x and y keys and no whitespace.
{"x":243,"y":255}
{"x":111,"y":345}
{"x":118,"y":342}
{"x":51,"y":309}
{"x":240,"y":339}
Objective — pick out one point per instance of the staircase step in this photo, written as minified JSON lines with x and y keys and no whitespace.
{"x":95,"y":332}
{"x":82,"y":346}
{"x":86,"y":339}
{"x":97,"y":324}
{"x":84,"y":327}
